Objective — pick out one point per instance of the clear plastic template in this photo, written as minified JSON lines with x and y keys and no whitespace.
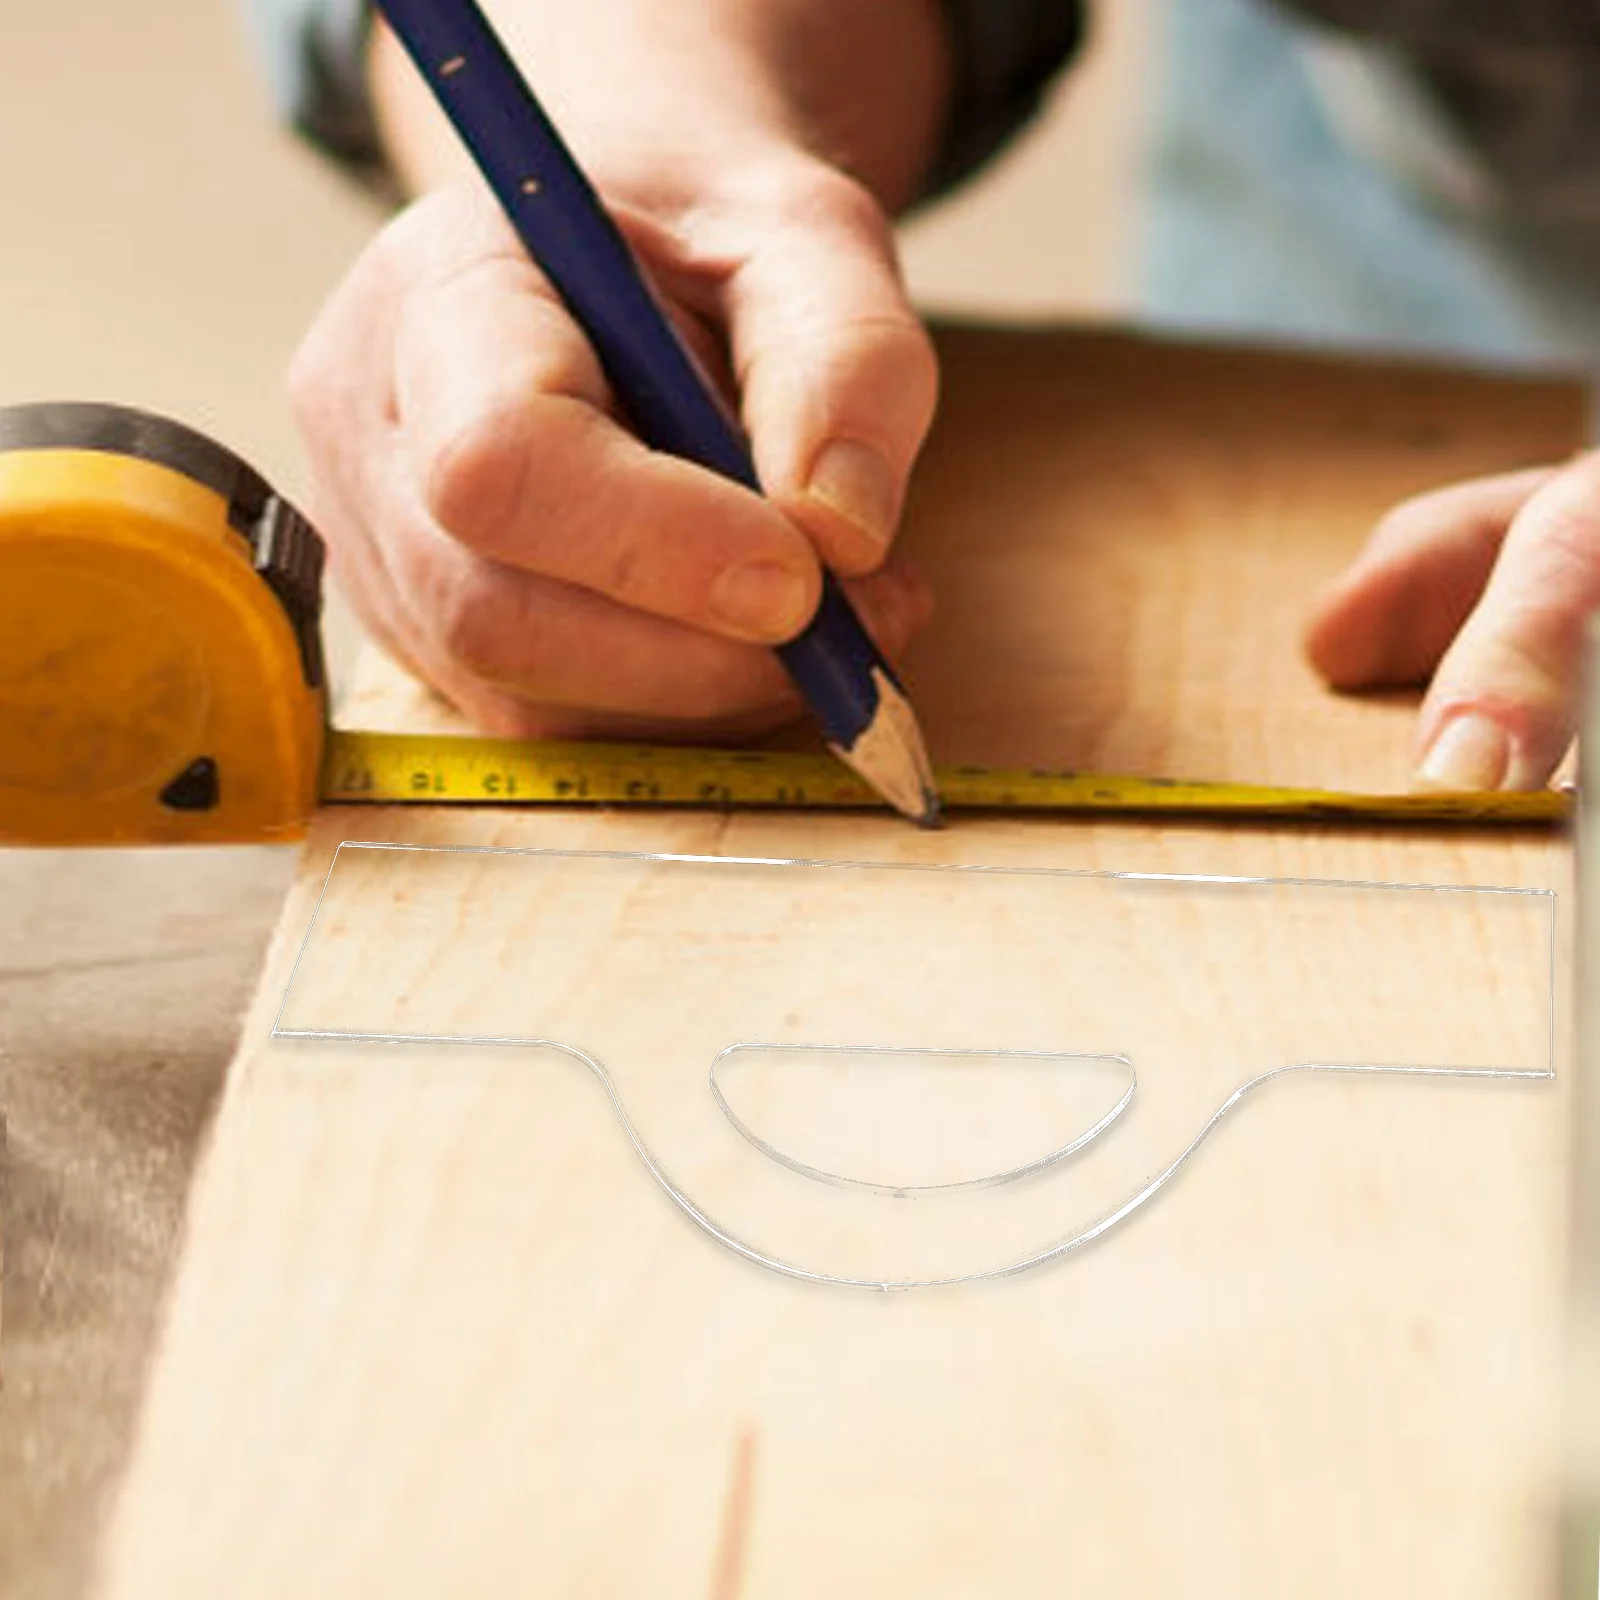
{"x":894,"y":1076}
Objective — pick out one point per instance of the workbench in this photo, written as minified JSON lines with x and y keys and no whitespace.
{"x":437,"y":1336}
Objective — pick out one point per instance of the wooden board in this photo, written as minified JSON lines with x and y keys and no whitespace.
{"x":439,"y":1336}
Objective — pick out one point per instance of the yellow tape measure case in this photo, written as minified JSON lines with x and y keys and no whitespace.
{"x":161,"y":674}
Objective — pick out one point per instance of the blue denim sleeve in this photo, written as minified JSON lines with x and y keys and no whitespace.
{"x":1006,"y":52}
{"x":314,"y":55}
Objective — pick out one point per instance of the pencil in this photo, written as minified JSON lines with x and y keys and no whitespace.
{"x":863,"y":710}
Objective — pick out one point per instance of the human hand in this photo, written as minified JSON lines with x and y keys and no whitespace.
{"x":504,"y":536}
{"x":1485,"y":586}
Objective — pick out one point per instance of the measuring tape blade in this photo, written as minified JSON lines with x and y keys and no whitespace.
{"x":447,"y":769}
{"x":116,"y":726}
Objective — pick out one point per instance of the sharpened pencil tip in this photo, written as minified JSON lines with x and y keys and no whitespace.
{"x":891,"y":756}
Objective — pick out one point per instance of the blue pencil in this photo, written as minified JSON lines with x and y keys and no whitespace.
{"x":864,"y":713}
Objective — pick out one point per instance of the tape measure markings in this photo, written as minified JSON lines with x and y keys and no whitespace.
{"x":444,"y":769}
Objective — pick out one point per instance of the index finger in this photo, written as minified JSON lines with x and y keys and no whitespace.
{"x":506,"y":417}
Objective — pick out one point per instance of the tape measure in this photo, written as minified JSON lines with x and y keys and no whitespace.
{"x":161,"y":679}
{"x":160,"y":662}
{"x":445,"y":769}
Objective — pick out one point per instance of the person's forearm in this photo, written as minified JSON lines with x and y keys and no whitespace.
{"x":864,"y":84}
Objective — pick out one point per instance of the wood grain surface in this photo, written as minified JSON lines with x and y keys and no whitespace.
{"x":434,"y":1333}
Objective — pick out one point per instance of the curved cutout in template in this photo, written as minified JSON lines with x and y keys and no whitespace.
{"x":790,"y":1269}
{"x":900,"y":1189}
{"x":1104,"y":1224}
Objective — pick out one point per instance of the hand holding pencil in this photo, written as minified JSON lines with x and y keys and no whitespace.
{"x":505,"y":531}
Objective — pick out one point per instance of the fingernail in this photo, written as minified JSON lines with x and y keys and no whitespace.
{"x":1471,"y":751}
{"x":761,"y":598}
{"x":855,"y":482}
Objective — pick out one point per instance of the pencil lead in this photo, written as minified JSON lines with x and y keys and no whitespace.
{"x":891,"y":756}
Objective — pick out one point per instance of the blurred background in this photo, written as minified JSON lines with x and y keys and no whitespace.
{"x":164,"y":245}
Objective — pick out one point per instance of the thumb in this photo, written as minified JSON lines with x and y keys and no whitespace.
{"x":837,"y":373}
{"x":1502,"y":708}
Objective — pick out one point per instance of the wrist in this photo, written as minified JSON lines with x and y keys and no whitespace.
{"x":688,"y":96}
{"x":866,"y":87}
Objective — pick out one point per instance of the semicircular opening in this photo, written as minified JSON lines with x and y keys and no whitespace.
{"x":918,"y":1121}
